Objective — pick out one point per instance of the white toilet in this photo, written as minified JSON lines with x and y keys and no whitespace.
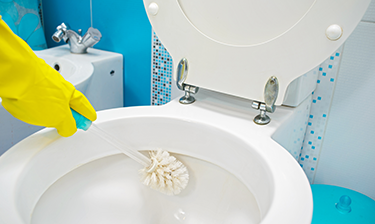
{"x":238,"y":53}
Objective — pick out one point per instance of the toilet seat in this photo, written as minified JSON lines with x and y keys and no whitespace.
{"x":238,"y":67}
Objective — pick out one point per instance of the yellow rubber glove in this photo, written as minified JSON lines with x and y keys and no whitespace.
{"x":34,"y":92}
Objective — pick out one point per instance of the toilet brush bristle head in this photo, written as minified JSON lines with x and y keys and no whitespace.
{"x":166,"y":174}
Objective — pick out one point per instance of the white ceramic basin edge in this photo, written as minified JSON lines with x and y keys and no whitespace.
{"x":278,"y":183}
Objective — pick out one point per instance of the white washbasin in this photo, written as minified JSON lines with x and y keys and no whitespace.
{"x":76,"y":70}
{"x":97,"y":74}
{"x":238,"y":174}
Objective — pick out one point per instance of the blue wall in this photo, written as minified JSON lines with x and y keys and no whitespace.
{"x":125,"y":29}
{"x":22,"y":16}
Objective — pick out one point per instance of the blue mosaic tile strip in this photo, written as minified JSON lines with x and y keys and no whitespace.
{"x":161,"y":73}
{"x":316,"y":124}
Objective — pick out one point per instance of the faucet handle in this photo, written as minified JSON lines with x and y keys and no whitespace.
{"x":94,"y":33}
{"x":91,"y":37}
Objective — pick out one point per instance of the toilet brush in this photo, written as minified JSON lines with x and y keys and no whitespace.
{"x":161,"y":171}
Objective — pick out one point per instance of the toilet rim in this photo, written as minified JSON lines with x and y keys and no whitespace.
{"x":13,"y":163}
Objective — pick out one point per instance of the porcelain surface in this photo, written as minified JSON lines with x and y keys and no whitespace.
{"x":233,"y":164}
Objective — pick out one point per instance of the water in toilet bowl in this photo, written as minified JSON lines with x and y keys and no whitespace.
{"x":162,"y":171}
{"x":108,"y":191}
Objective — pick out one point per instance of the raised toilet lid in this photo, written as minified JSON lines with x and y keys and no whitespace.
{"x":235,"y":46}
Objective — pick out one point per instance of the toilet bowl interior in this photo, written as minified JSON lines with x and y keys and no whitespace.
{"x":66,"y":159}
{"x":109,"y":190}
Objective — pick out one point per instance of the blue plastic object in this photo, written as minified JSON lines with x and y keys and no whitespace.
{"x":344,"y":204}
{"x":337,"y":205}
{"x":81,"y":122}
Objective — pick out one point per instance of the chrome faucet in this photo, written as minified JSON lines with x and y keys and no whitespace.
{"x":78,"y":44}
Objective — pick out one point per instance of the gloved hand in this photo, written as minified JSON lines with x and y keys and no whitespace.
{"x":34,"y":92}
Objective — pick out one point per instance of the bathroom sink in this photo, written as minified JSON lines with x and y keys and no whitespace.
{"x":97,"y":74}
{"x":76,"y":69}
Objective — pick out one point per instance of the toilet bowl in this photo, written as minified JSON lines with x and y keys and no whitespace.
{"x":237,"y":171}
{"x":240,"y":171}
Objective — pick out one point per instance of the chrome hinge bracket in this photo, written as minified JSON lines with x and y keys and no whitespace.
{"x":271,"y":91}
{"x":182,"y":71}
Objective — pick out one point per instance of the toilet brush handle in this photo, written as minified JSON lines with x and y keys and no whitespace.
{"x":84,"y":124}
{"x":81,"y":121}
{"x":126,"y":149}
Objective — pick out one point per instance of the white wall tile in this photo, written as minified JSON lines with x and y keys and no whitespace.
{"x":322,"y":97}
{"x":370,"y":13}
{"x":348,"y":151}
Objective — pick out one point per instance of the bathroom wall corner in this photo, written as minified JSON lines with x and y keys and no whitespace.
{"x":347,"y":154}
{"x":320,"y":107}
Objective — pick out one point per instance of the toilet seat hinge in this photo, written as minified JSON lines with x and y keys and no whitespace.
{"x":188,"y":98}
{"x":261,"y":118}
{"x":182,"y":71}
{"x":271,"y":91}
